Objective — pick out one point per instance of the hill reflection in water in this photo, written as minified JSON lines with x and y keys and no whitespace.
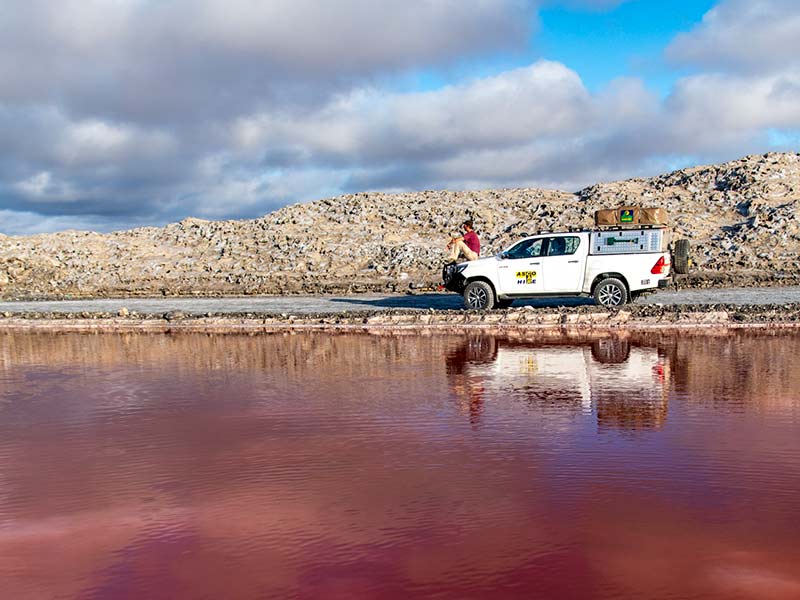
{"x":376,"y":466}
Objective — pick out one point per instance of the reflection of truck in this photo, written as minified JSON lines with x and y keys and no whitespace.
{"x":626,"y":386}
{"x":612,"y":265}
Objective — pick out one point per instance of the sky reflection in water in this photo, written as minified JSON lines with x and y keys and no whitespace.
{"x":370,"y":466}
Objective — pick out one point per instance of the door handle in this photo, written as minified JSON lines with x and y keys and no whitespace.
{"x":574,"y":262}
{"x":534,"y":263}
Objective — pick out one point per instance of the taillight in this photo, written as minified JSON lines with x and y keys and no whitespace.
{"x":661,"y":267}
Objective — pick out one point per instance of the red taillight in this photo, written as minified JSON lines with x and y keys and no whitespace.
{"x":661,"y":267}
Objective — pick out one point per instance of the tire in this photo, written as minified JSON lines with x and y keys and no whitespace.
{"x":680,"y":257}
{"x":478,"y":295}
{"x":610,"y":292}
{"x":611,"y":351}
{"x":503,"y":303}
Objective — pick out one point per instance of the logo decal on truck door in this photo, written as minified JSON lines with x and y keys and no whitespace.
{"x":626,"y":216}
{"x":526,"y":277}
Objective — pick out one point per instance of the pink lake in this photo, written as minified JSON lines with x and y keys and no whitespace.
{"x":366,"y":466}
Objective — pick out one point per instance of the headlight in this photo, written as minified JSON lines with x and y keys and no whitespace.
{"x":460,"y":268}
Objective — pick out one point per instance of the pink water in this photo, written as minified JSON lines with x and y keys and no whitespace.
{"x":323,"y":466}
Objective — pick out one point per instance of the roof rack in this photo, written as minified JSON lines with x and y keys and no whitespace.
{"x":560,"y":230}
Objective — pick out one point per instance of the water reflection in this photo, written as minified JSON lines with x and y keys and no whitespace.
{"x":624,"y":387}
{"x":399,"y":466}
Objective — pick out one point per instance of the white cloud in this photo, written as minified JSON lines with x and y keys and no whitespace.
{"x":92,"y":141}
{"x":250,"y":192}
{"x":544,"y":99}
{"x":37,"y":186}
{"x":743,"y":36}
{"x":725,"y":106}
{"x":752,"y":48}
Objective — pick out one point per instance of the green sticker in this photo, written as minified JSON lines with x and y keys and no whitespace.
{"x":612,"y":240}
{"x":626,"y":216}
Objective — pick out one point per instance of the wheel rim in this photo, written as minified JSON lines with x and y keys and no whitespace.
{"x":610,"y":295}
{"x":477,"y":298}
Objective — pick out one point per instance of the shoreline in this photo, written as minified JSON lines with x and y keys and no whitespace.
{"x":584,"y":319}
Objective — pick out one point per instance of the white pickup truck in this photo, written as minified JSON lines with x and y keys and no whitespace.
{"x":612,"y":265}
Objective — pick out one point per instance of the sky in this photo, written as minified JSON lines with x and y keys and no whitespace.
{"x":123,"y":113}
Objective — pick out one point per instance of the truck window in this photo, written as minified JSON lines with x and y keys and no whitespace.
{"x":526,"y":249}
{"x":563,"y":246}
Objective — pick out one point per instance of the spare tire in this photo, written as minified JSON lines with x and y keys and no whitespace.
{"x":680,"y":257}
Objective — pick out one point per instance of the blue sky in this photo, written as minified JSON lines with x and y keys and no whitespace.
{"x":600,"y":44}
{"x":626,"y":41}
{"x":128,"y":113}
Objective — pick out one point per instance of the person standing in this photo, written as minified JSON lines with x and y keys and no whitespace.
{"x":467,"y":245}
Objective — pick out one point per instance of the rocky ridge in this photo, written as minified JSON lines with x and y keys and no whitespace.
{"x":741,"y":217}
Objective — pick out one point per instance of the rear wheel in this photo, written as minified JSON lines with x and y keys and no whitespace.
{"x":478,"y":295}
{"x":611,"y":351}
{"x":680,"y":257}
{"x":610,"y":292}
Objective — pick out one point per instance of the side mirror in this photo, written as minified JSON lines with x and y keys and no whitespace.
{"x":502,"y":255}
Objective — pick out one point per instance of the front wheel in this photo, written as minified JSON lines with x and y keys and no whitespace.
{"x":478,"y":295}
{"x":610,"y":292}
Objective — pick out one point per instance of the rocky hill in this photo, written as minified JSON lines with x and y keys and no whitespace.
{"x":741,"y":216}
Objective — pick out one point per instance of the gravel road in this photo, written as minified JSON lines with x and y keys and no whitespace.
{"x":333,"y":304}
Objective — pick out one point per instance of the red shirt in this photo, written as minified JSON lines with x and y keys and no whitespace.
{"x":472,"y":242}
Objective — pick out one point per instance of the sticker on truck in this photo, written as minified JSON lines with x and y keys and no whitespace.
{"x":526,"y":277}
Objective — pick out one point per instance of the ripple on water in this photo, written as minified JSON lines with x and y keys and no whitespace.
{"x":369,"y":466}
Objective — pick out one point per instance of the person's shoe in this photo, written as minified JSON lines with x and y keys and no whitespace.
{"x":440,"y":288}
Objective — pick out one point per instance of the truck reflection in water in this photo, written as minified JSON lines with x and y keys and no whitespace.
{"x":625,"y":386}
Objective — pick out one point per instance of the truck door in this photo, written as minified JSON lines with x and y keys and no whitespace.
{"x":519,"y":270}
{"x":563,"y":264}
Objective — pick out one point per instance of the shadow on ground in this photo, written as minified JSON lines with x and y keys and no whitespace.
{"x":453,"y":302}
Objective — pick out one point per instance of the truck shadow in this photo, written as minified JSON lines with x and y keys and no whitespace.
{"x":453,"y":302}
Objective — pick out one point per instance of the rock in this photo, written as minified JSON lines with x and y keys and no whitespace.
{"x":740,"y":216}
{"x":174,"y":315}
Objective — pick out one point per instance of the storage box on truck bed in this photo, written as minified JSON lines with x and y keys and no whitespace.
{"x":630,"y":215}
{"x":628,"y":241}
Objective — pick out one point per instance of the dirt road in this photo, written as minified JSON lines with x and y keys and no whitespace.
{"x":299,"y":305}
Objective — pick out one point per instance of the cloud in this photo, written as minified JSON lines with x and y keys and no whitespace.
{"x":729,"y":107}
{"x":743,"y":36}
{"x":597,"y":5}
{"x":750,"y":90}
{"x":131,"y":112}
{"x":371,"y":126}
{"x":29,"y":223}
{"x":184,"y":60}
